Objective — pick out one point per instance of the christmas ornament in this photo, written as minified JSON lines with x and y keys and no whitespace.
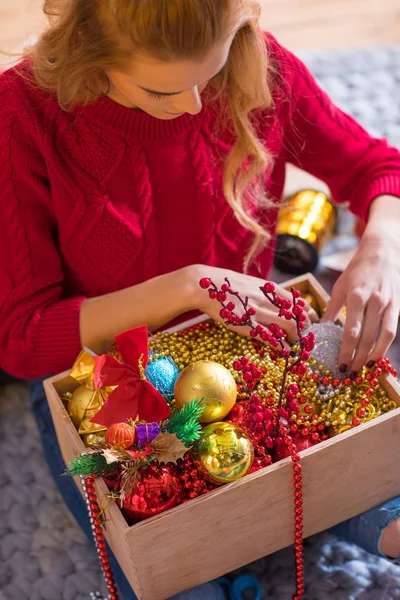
{"x":305,"y":223}
{"x":94,"y":440}
{"x":185,"y":423}
{"x":93,"y":463}
{"x":134,"y":397}
{"x":328,"y":341}
{"x":168,"y":448}
{"x":120,"y":434}
{"x":191,"y":479}
{"x":224,"y":453}
{"x":299,"y":442}
{"x":157,"y":491}
{"x":210,"y":382}
{"x":93,"y":509}
{"x":162,"y":373}
{"x":146,"y":432}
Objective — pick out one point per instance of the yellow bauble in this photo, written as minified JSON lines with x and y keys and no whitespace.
{"x":224,"y":453}
{"x":210,"y":381}
{"x":94,"y":440}
{"x":80,"y":401}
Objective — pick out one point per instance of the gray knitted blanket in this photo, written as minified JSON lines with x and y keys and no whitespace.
{"x":44,"y":555}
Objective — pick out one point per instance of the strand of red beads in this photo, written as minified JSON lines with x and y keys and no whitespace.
{"x":93,"y":508}
{"x":298,"y":512}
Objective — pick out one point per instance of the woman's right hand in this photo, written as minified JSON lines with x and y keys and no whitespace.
{"x":245,"y":285}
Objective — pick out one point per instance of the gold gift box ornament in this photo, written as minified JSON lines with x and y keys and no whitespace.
{"x":84,"y":402}
{"x":306,"y":221}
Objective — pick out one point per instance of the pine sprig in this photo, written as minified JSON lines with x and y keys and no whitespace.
{"x":184,"y":422}
{"x":90,"y":464}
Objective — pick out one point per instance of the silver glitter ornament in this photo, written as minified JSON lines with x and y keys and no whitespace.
{"x":328,"y":341}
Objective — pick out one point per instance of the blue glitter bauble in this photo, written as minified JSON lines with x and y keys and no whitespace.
{"x":163,"y":373}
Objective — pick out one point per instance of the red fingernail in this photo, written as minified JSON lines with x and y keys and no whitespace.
{"x":343,"y":368}
{"x":370,"y":364}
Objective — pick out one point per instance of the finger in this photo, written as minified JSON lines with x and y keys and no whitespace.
{"x":369,"y":333}
{"x":355,"y":316}
{"x":388,"y":333}
{"x":336,"y":303}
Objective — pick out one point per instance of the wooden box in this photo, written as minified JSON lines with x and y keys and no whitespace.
{"x":252,"y":517}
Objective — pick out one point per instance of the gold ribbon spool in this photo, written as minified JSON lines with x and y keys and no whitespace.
{"x":306,"y":221}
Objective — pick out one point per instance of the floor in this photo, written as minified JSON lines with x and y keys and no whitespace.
{"x":299,"y":24}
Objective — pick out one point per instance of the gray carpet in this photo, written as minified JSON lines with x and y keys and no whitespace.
{"x":43,"y":554}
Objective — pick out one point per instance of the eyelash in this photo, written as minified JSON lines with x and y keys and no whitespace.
{"x":156,"y":96}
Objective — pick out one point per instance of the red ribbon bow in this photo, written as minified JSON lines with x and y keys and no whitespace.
{"x":134,"y":396}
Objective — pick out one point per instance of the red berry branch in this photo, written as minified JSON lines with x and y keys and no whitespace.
{"x":273,"y":334}
{"x":267,"y":421}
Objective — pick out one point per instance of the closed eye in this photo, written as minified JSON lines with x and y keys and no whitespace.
{"x":156,"y":96}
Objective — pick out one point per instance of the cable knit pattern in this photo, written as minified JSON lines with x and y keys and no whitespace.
{"x":105,"y":197}
{"x":91,"y":147}
{"x":205,"y":195}
{"x":21,"y":255}
{"x":144,"y":192}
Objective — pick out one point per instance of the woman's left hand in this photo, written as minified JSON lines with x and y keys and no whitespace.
{"x":370,"y":289}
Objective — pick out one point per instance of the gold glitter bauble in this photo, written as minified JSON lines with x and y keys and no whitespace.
{"x":224,"y":453}
{"x":210,"y":381}
{"x":95,"y":440}
{"x":83,"y":399}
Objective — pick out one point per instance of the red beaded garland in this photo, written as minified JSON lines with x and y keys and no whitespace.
{"x":98,"y":534}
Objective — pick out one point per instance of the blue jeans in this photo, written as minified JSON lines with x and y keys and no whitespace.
{"x":364,"y":530}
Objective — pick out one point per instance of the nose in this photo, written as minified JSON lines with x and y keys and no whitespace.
{"x":189,"y":102}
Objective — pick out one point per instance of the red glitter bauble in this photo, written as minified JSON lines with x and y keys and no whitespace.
{"x":157,"y":491}
{"x":120,"y":434}
{"x":301,"y":443}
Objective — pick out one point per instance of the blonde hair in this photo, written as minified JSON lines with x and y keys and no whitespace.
{"x":86,"y":39}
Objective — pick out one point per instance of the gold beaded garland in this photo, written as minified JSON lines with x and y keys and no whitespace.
{"x":213,"y":341}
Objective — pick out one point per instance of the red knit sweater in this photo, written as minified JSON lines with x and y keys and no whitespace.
{"x":105,"y":197}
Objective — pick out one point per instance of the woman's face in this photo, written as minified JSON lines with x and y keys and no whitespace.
{"x":167,"y":90}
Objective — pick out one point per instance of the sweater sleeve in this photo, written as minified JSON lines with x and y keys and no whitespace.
{"x":39,"y":329}
{"x":329,"y":144}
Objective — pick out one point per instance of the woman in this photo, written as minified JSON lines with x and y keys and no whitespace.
{"x":143,"y":146}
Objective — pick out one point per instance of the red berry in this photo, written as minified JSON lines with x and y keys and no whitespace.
{"x":296,"y":294}
{"x":302,"y":369}
{"x":225,"y":287}
{"x":253,"y":333}
{"x":304,"y":355}
{"x":205,"y":283}
{"x":356,"y":421}
{"x":297,"y":310}
{"x":360,"y":412}
{"x":279,"y":301}
{"x":231,"y":306}
{"x":300,"y":302}
{"x":284,"y":353}
{"x":251,"y":311}
{"x":212,"y":294}
{"x":269,"y":287}
{"x":247,"y":376}
{"x":237,"y":365}
{"x":221,"y":296}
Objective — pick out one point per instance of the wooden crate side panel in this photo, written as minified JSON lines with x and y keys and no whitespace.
{"x":345,"y":475}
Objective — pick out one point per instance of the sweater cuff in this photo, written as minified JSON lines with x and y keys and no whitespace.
{"x":57,"y":337}
{"x":387,"y":185}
